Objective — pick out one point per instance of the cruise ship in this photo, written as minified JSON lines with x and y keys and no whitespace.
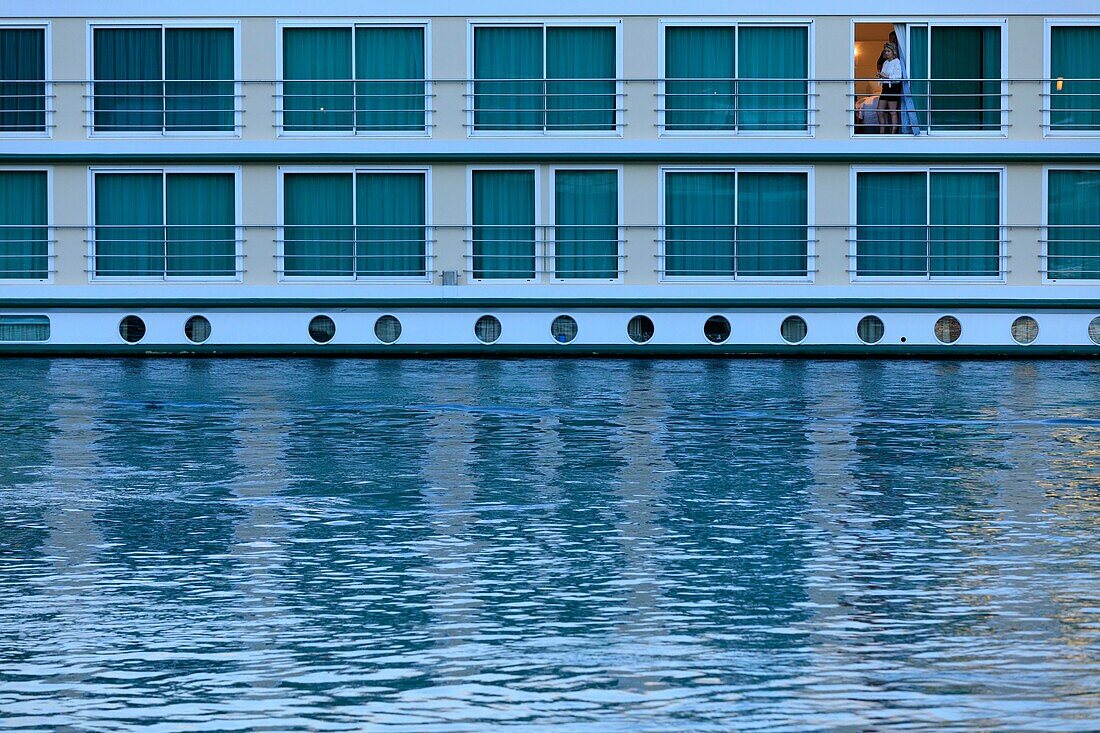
{"x":704,"y":177}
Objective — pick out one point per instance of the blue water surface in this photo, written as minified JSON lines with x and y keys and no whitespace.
{"x":531,"y":545}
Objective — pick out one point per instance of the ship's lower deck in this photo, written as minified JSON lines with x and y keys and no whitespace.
{"x":517,"y":329}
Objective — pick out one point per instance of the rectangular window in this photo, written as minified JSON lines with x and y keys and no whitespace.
{"x":1073,"y":225}
{"x":158,"y":80}
{"x":503,"y":241}
{"x":956,"y":77}
{"x":24,"y":328}
{"x":355,"y":224}
{"x":586,"y":224}
{"x":347,"y":80}
{"x":728,"y":224}
{"x":165,"y":225}
{"x":1075,"y":78}
{"x":22,"y":80}
{"x":24,"y":230}
{"x":736,"y":78}
{"x":545,"y":78}
{"x":928,"y":224}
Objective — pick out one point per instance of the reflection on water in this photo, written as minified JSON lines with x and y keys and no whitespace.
{"x":576,"y":546}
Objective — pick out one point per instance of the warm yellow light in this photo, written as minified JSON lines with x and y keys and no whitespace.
{"x":1059,"y":83}
{"x":857,"y":52}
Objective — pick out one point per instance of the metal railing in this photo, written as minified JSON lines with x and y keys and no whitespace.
{"x":930,"y":251}
{"x":164,"y":106}
{"x":165,"y":251}
{"x":353,"y":106}
{"x":561,"y":252}
{"x":1071,"y":105}
{"x":545,"y":105}
{"x":354,"y":251}
{"x":934,"y":106}
{"x":25,"y":106}
{"x":734,"y":105}
{"x":29,"y":255}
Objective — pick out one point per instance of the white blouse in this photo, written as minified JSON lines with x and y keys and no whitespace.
{"x":892,"y":69}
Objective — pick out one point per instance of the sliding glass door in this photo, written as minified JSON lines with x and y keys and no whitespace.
{"x":355,"y":224}
{"x":1075,"y":78}
{"x":22,"y":80}
{"x":24,"y":231}
{"x":928,"y":224}
{"x":956,"y":77}
{"x":165,"y":224}
{"x":354,"y":79}
{"x":163,"y":80}
{"x":586,"y":224}
{"x":728,"y":224}
{"x":736,"y":78}
{"x":1073,"y":225}
{"x":545,"y":78}
{"x":504,"y":244}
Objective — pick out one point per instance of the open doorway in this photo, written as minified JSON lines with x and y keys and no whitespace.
{"x":876,"y":108}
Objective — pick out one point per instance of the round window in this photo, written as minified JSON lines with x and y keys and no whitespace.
{"x":1094,"y":330}
{"x":563,"y":329}
{"x":487,"y":329}
{"x":870,"y":329}
{"x":387,"y":329}
{"x":1025,"y":330}
{"x":793,"y":330}
{"x":322,"y":329}
{"x":131,"y":329}
{"x":948,"y":330}
{"x":717,"y":329}
{"x":197,"y":329}
{"x":640,"y":329}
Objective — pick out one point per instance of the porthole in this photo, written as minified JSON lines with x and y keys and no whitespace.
{"x":487,"y":329}
{"x":322,"y":329}
{"x":1094,"y":330}
{"x":717,"y":329}
{"x":387,"y":329}
{"x":640,"y":329}
{"x":563,"y":329}
{"x":871,"y":329}
{"x":1025,"y":330}
{"x":793,"y":330}
{"x":131,"y":329}
{"x":197,"y":329}
{"x":948,"y":330}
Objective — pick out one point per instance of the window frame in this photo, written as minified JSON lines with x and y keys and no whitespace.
{"x":930,"y":21}
{"x":163,"y":24}
{"x":662,"y":225}
{"x":51,"y":232}
{"x":1002,"y":210}
{"x":1049,"y":24}
{"x":539,"y":226}
{"x":164,"y":171}
{"x":1044,"y":249}
{"x":735,"y":22}
{"x":354,"y":170}
{"x":351,"y":23}
{"x":595,"y":22}
{"x":552,"y":227}
{"x":47,"y":48}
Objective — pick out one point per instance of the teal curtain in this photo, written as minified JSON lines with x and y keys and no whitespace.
{"x":771,"y":224}
{"x":700,"y":209}
{"x":129,"y":224}
{"x":919,"y":73}
{"x":891,"y":218}
{"x":509,"y":91}
{"x":964,"y":213}
{"x":586,"y":219}
{"x":24,"y":328}
{"x":504,"y":224}
{"x":1073,"y":215}
{"x":580,"y":78}
{"x":391,"y":60}
{"x":198,"y":73}
{"x":772,"y":65}
{"x":22,"y":80}
{"x":1075,"y":59}
{"x":129,"y":86}
{"x":200,"y":217}
{"x":318,"y":218}
{"x":965,"y":85}
{"x":318,"y":93}
{"x":390,"y":239}
{"x":700,"y":66}
{"x":24,"y":236}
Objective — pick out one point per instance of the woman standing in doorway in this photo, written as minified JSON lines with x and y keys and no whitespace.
{"x":891,"y":90}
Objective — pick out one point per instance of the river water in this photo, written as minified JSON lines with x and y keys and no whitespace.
{"x":473,"y":545}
